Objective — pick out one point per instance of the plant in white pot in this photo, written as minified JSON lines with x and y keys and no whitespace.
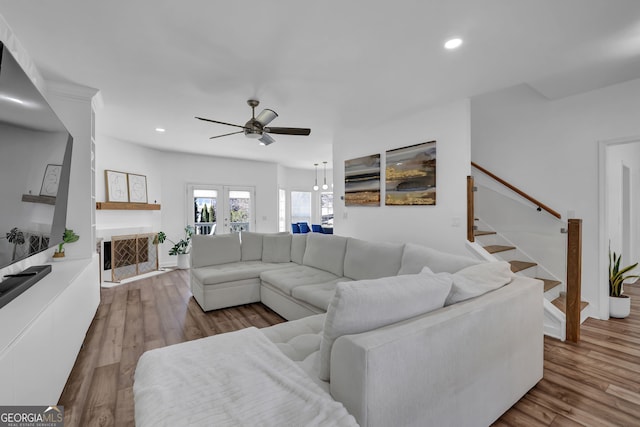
{"x":181,"y":248}
{"x":619,"y":304}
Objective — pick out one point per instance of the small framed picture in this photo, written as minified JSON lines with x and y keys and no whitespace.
{"x":116,"y":186}
{"x":51,"y":180}
{"x":137,"y":188}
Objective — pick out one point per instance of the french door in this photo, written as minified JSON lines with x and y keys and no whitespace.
{"x":220,"y":209}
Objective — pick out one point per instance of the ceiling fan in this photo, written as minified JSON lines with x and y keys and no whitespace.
{"x":256,"y":127}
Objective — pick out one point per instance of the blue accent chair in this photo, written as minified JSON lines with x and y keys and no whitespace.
{"x":304,"y":227}
{"x":316,"y":228}
{"x":295,"y":228}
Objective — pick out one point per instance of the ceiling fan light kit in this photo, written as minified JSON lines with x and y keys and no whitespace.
{"x":256,"y":128}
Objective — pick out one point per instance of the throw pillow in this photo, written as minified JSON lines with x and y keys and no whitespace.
{"x":276,"y":248}
{"x":415,"y":257}
{"x":365,"y":305}
{"x":476,"y":280}
{"x":251,"y":246}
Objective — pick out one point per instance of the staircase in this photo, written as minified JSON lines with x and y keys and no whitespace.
{"x":493,"y":246}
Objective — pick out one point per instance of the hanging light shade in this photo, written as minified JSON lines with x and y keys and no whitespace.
{"x":315,"y":185}
{"x":324,"y":185}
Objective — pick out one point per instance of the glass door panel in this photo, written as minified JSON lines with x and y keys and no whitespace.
{"x":239,"y":209}
{"x":218,"y":209}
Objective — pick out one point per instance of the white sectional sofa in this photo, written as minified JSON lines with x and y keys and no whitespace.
{"x":379,"y":352}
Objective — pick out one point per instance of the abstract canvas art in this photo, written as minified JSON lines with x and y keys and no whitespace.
{"x":411,"y":175}
{"x":362,"y":181}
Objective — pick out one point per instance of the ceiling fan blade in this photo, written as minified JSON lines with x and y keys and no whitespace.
{"x":266,"y":116}
{"x":266,"y":139}
{"x":221,"y":123}
{"x":226,"y":134}
{"x":289,"y":131}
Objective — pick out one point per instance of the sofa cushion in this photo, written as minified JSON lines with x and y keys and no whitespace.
{"x":371,"y":260}
{"x":287,"y":279}
{"x":222,"y":273}
{"x":298,"y":246}
{"x":214,"y":250}
{"x":326,"y":252}
{"x":318,"y":295}
{"x":415,"y":257}
{"x":276,"y":247}
{"x":365,"y":305}
{"x":251,"y":246}
{"x":476,"y":280}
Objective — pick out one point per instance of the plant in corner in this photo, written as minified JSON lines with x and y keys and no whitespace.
{"x":16,"y":237}
{"x":67,"y":237}
{"x":181,"y":248}
{"x":619,"y":304}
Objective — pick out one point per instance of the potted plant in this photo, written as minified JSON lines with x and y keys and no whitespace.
{"x":67,"y":237}
{"x":16,"y":237}
{"x":181,"y":248}
{"x":619,"y":304}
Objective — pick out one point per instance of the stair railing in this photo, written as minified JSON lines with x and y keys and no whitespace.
{"x":573,"y":247}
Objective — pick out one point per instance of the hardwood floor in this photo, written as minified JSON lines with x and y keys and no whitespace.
{"x":133,"y":318}
{"x":593,"y":383}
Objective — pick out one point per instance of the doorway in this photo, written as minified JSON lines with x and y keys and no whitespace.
{"x":220,"y":209}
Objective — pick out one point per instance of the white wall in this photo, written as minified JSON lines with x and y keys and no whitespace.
{"x":441,"y":226}
{"x":168,"y":175}
{"x":549,"y":149}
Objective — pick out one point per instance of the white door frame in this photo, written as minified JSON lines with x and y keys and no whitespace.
{"x":603,"y":222}
{"x":222,"y":204}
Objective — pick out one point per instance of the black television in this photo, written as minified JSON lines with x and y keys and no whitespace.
{"x":35,"y":164}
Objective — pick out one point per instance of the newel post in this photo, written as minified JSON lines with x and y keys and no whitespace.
{"x":470,"y":209}
{"x":574,"y":279}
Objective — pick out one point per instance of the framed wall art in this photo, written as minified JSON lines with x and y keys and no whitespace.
{"x":410,"y":175}
{"x":137,"y":188}
{"x":362,"y":181}
{"x":116,"y":186}
{"x":51,"y":180}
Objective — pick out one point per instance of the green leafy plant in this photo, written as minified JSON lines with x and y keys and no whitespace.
{"x":182,"y":246}
{"x":618,"y":275}
{"x":16,"y":237}
{"x":67,"y":237}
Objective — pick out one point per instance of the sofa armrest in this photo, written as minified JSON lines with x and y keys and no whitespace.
{"x":462,"y":365}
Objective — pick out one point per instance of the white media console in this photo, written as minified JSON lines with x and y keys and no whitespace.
{"x":42,"y":330}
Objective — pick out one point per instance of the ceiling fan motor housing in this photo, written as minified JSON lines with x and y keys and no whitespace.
{"x":253,"y":129}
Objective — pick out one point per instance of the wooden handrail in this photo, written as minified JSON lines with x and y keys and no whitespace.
{"x":470,"y":210}
{"x":517,"y":190}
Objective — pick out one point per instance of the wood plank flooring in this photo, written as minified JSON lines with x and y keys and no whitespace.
{"x":595,"y":382}
{"x":131,"y":319}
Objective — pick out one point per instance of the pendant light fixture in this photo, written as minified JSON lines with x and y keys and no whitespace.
{"x":324,"y":185}
{"x":315,"y":185}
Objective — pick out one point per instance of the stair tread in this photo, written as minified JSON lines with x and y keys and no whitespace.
{"x":549,"y":283}
{"x":521,"y":265}
{"x":483,"y":233}
{"x":492,"y":249}
{"x":561,"y":303}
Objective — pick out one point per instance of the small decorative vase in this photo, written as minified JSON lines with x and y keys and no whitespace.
{"x":619,"y":307}
{"x":183,"y":261}
{"x":58,"y":256}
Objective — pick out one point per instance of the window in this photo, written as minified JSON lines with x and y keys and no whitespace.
{"x":301,"y":206}
{"x":204,"y":209}
{"x":282,"y":210}
{"x":326,"y":209}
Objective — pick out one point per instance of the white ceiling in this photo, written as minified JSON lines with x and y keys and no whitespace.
{"x":325,"y":65}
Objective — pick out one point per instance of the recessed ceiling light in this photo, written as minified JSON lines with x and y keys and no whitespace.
{"x":453,"y":43}
{"x":160,"y":130}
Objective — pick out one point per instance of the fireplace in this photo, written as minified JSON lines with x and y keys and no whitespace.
{"x":130,"y":255}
